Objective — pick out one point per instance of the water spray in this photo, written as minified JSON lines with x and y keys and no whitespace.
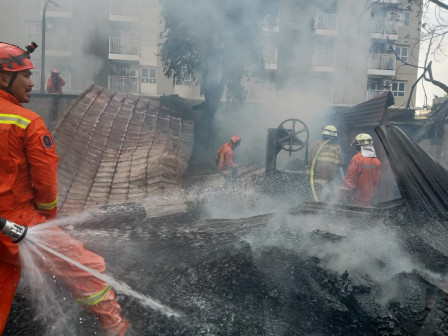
{"x":14,"y":231}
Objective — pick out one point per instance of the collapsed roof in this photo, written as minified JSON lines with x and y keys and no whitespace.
{"x":282,"y":273}
{"x":117,"y":147}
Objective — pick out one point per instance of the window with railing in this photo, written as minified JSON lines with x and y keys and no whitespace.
{"x":323,"y":55}
{"x":382,"y":61}
{"x":384,"y":26}
{"x":326,"y":21}
{"x":58,"y":41}
{"x":265,"y":82}
{"x":375,"y":88}
{"x":123,"y":83}
{"x":323,"y":89}
{"x":271,"y":22}
{"x":270,"y":56}
{"x":125,"y":44}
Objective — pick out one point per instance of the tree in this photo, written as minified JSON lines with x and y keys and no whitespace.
{"x":433,"y":37}
{"x":216,"y":42}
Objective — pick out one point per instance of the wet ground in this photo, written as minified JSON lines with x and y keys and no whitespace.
{"x":270,"y":268}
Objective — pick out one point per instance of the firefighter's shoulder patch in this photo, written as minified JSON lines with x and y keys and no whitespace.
{"x":47,"y":141}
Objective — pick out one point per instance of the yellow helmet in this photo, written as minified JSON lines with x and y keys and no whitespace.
{"x":329,"y":132}
{"x":362,"y":139}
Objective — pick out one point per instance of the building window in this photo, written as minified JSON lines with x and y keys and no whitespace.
{"x":323,"y":55}
{"x":270,"y":57}
{"x":405,"y":18}
{"x":402,"y":53}
{"x":149,"y":74}
{"x":265,"y":80}
{"x":34,"y":28}
{"x":184,"y":78}
{"x":398,"y":89}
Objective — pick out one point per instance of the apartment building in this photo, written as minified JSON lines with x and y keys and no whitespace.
{"x":341,"y":51}
{"x":344,"y":51}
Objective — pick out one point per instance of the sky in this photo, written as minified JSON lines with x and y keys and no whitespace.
{"x":440,"y":60}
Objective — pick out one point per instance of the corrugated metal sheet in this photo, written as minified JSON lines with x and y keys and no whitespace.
{"x":363,"y":118}
{"x":116,"y":147}
{"x":372,"y":112}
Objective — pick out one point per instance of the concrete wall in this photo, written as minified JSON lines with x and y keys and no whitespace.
{"x":50,"y":106}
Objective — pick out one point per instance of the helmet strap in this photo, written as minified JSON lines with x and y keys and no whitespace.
{"x":8,"y":88}
{"x":12,"y":80}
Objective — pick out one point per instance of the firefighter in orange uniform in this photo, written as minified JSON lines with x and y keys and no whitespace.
{"x":363,"y":173}
{"x":224,"y":159}
{"x":55,"y":82}
{"x":28,"y":196}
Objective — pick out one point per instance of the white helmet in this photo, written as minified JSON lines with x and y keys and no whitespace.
{"x":362,"y":140}
{"x":329,"y":132}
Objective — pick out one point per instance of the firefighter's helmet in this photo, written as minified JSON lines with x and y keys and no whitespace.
{"x":329,"y":132}
{"x":362,"y":140}
{"x":235,"y":140}
{"x":14,"y":58}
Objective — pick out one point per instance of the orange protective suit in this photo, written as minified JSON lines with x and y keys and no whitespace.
{"x":28,"y":196}
{"x":361,"y":180}
{"x":55,"y":84}
{"x":224,"y":157}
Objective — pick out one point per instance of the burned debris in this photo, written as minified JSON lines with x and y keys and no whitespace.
{"x":312,"y":269}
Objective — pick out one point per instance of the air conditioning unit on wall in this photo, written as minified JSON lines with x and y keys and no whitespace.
{"x":387,"y":83}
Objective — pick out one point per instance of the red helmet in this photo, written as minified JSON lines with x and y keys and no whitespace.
{"x":235,"y":139}
{"x":14,"y":58}
{"x":55,"y":70}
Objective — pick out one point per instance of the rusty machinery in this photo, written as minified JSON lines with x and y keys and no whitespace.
{"x":292,"y":136}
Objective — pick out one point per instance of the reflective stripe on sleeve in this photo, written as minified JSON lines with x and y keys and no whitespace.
{"x":48,"y":206}
{"x":95,"y":298}
{"x":14,"y":119}
{"x":328,"y":159}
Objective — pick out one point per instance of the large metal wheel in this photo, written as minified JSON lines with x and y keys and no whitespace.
{"x":292,"y":135}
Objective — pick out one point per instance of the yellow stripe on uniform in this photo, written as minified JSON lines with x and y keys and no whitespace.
{"x":328,"y":159}
{"x":48,"y":206}
{"x":95,"y":298}
{"x":14,"y":119}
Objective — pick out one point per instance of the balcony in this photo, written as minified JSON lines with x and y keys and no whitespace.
{"x":382,"y":65}
{"x":373,"y":93}
{"x":384,"y":28}
{"x":326,"y":24}
{"x":323,"y":60}
{"x":270,"y":57}
{"x":271,"y":24}
{"x":56,"y":44}
{"x":124,"y":83}
{"x":121,"y":48}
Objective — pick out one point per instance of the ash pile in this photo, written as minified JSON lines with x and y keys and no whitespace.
{"x":314,"y":269}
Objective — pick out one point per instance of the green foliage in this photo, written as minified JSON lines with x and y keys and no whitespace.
{"x":216,"y":42}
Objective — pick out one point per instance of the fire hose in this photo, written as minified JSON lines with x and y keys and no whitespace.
{"x":12,"y":230}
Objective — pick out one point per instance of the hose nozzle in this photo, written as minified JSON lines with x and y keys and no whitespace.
{"x":14,"y":231}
